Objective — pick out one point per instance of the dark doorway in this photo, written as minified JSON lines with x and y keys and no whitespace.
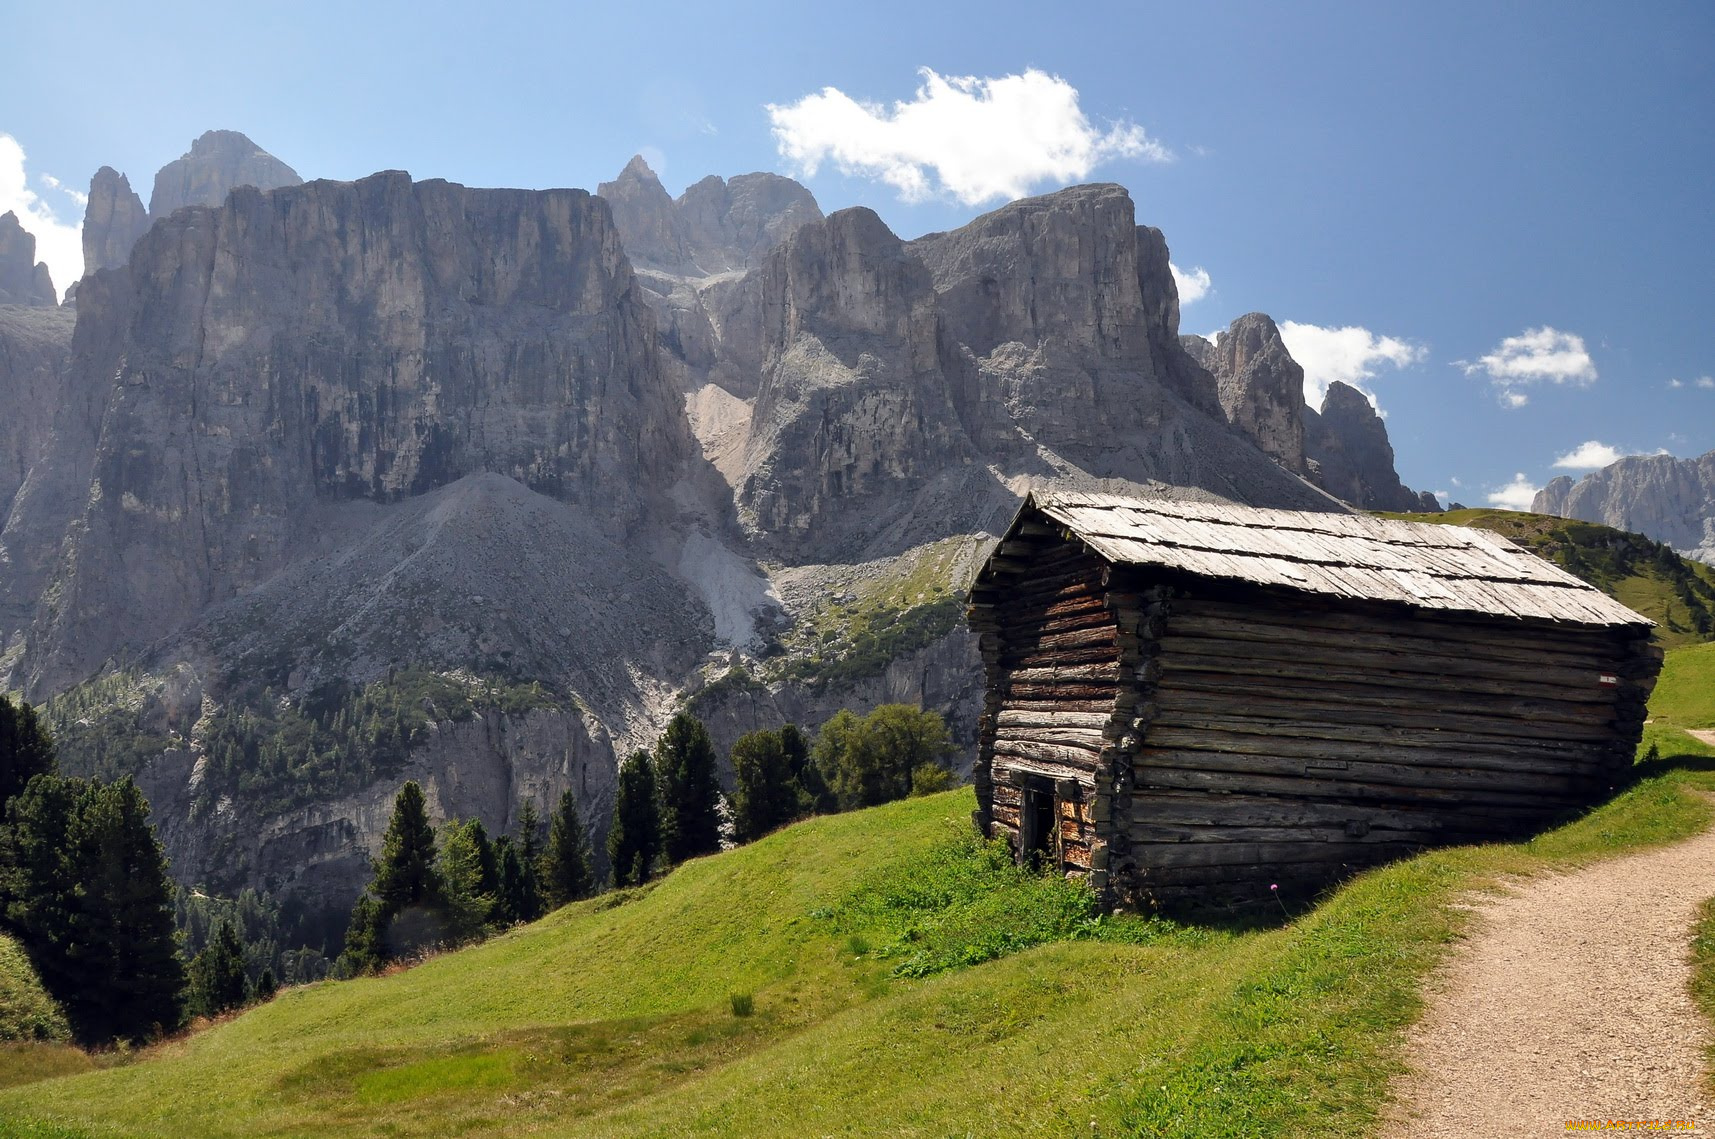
{"x":1037,"y":833}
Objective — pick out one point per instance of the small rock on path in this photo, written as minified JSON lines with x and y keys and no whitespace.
{"x":1570,"y":1001}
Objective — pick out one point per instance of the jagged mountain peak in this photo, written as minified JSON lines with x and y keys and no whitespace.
{"x":23,"y":279}
{"x":218,"y":162}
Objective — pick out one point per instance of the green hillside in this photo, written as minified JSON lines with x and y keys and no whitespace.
{"x":1675,"y":592}
{"x":904,"y":980}
{"x":26,"y":1010}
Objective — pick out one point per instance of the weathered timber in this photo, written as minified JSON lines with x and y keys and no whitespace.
{"x":1215,"y":699}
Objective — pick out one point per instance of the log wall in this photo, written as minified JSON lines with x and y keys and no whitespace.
{"x":1284,"y":739}
{"x":1051,"y":652}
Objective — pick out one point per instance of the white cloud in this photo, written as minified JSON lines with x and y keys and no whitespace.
{"x":1706,"y":381}
{"x":1675,"y":383}
{"x":1192,"y":286}
{"x":1351,"y":355}
{"x":1535,"y":355}
{"x":1516,"y":495}
{"x":975,"y":139}
{"x":58,"y":243}
{"x":53,"y":183}
{"x":1587,"y":456}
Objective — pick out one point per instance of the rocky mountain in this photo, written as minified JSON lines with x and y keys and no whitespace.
{"x":216,"y":164}
{"x":112,"y":221}
{"x":1342,"y":448}
{"x":23,"y":279}
{"x":1670,"y":499}
{"x":336,"y":484}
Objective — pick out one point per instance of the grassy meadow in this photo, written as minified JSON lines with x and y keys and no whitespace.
{"x":873,"y":973}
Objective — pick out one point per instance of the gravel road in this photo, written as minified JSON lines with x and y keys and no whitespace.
{"x":1568,"y":1002}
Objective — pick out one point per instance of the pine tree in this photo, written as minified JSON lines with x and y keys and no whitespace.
{"x":688,"y":788}
{"x":217,"y":980}
{"x":511,"y":900}
{"x":566,"y":864}
{"x":409,"y":894}
{"x":529,"y":852}
{"x":365,"y":943}
{"x":765,"y":796}
{"x":26,"y":749}
{"x":38,"y":883}
{"x":123,"y":943}
{"x":468,"y":880}
{"x":634,"y":840}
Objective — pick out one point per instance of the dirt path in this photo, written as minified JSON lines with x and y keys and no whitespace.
{"x":1702,"y":735}
{"x":1568,"y":1002}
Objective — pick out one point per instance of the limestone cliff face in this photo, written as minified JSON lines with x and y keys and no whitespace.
{"x":732,"y":225}
{"x":1348,"y":447}
{"x":1670,"y":499}
{"x":1045,"y":295}
{"x":1261,"y":387}
{"x":23,"y":279}
{"x":1343,"y":448}
{"x":690,"y":253}
{"x":647,"y":220}
{"x":370,"y":340}
{"x":853,"y":412}
{"x":112,"y":221}
{"x":35,"y":344}
{"x":216,"y":164}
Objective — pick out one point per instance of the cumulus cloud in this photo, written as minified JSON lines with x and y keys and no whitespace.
{"x":1536,"y":355}
{"x":1587,"y":456}
{"x":59,"y":243}
{"x":1351,"y":355}
{"x":1516,"y":495}
{"x":974,"y":139}
{"x":1706,"y":381}
{"x":1192,"y":286}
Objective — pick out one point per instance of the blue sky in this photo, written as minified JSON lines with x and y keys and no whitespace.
{"x":1508,"y":207}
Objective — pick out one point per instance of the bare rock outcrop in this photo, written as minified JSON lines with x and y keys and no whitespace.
{"x":1670,"y":499}
{"x":370,"y":340}
{"x":1352,"y":459}
{"x":732,"y":225}
{"x":35,"y":344}
{"x":23,"y":279}
{"x":647,"y":219}
{"x":112,"y":221}
{"x":853,"y":413}
{"x":216,"y":164}
{"x":1261,"y":387}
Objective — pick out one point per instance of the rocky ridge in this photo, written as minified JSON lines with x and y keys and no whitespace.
{"x":1342,"y":448}
{"x":112,"y":221}
{"x":543,"y":441}
{"x":23,"y":279}
{"x":216,"y":164}
{"x":1670,"y":499}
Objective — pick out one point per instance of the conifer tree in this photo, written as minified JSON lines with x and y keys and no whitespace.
{"x":633,"y":842}
{"x":468,"y":880}
{"x":217,"y":980}
{"x":529,"y":852}
{"x":123,"y":944}
{"x":409,"y":896}
{"x":688,"y":788}
{"x":765,"y":795}
{"x":567,"y":869}
{"x":26,"y":749}
{"x":365,"y":948}
{"x":405,"y":874}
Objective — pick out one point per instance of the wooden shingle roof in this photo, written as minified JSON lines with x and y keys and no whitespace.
{"x":1424,"y":565}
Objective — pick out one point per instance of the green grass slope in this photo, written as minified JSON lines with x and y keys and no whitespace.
{"x":1675,"y":592}
{"x":27,"y":1012}
{"x":905,"y":982}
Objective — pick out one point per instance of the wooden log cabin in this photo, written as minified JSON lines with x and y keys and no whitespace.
{"x":1190,"y":703}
